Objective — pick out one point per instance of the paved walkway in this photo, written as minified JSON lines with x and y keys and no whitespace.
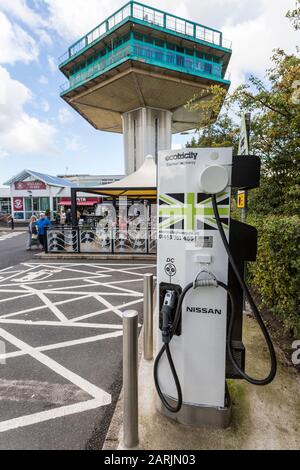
{"x":262,"y":417}
{"x":61,"y":350}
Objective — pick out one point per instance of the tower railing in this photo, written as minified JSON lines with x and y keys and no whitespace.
{"x":146,"y":15}
{"x":154,"y":55}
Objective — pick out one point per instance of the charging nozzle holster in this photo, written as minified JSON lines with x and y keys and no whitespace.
{"x":168,"y":300}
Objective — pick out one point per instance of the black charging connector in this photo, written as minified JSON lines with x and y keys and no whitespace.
{"x":168,"y":300}
{"x":168,"y":311}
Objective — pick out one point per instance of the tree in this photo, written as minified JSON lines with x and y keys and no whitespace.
{"x":275,"y":135}
{"x":294,"y":15}
{"x":223,"y":133}
{"x":275,"y":205}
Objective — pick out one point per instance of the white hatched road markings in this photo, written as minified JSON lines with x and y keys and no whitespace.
{"x":7,"y":236}
{"x":32,"y":286}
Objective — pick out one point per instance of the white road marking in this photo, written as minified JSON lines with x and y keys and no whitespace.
{"x":71,"y":269}
{"x":20,"y":272}
{"x":15,"y":297}
{"x":42,"y":416}
{"x":48,"y":304}
{"x":38,"y":287}
{"x":58,"y":323}
{"x":100,"y":397}
{"x":42,"y":307}
{"x":7,"y":236}
{"x":37,"y":274}
{"x":110,"y":307}
{"x":50,"y":281}
{"x":34,"y":391}
{"x":65,"y":344}
{"x":121,"y":289}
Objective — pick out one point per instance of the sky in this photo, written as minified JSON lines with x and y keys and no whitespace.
{"x":39,"y":131}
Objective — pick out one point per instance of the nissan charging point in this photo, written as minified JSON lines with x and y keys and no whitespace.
{"x":201,"y":256}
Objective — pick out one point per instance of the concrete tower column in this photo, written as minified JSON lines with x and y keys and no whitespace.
{"x":146,"y":131}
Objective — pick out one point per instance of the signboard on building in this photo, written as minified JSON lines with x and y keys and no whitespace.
{"x":18,"y":204}
{"x":81,"y":201}
{"x":30,"y":185}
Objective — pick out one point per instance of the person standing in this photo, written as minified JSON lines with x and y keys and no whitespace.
{"x":68,"y":216}
{"x":32,"y":232}
{"x":41,"y":224}
{"x":62,"y":217}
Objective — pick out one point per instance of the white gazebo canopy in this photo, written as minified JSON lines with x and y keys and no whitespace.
{"x":140,"y":184}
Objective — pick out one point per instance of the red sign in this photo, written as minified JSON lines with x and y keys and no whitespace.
{"x":81,"y":201}
{"x":21,"y":185}
{"x":18,"y":204}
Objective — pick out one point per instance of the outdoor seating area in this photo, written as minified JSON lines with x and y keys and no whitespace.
{"x":125,"y":220}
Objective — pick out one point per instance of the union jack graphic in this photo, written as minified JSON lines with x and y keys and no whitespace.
{"x":191,"y":211}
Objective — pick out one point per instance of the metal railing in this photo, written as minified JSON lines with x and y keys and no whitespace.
{"x":154,"y":55}
{"x":85,"y":239}
{"x":144,"y":14}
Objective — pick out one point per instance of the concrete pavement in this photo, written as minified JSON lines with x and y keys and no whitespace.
{"x":262,"y":417}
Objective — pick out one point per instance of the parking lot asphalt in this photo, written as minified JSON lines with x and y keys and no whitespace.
{"x":61,"y":350}
{"x":13,"y":248}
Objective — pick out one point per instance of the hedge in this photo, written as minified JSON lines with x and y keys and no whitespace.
{"x":275,"y":276}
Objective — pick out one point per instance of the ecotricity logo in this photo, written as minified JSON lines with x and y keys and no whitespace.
{"x":182,"y":156}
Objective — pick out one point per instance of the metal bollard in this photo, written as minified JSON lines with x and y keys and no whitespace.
{"x":148,"y":317}
{"x":130,"y":378}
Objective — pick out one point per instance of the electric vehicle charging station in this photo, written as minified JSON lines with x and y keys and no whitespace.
{"x":200,"y":279}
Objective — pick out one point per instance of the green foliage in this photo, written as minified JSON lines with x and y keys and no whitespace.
{"x":275,"y":135}
{"x":294,"y":15}
{"x":274,"y":207}
{"x":223,"y":133}
{"x":209,"y":107}
{"x":276,"y":274}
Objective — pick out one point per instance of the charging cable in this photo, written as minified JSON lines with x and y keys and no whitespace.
{"x":253,"y":306}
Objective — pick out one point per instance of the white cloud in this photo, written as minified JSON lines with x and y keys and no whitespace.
{"x":64,"y":116}
{"x":176,"y":146}
{"x":43,"y":80}
{"x":20,"y":132}
{"x":52,"y":63}
{"x":45,"y":106}
{"x":44,"y":37}
{"x":73,"y":144}
{"x":20,"y":10}
{"x":16,"y":43}
{"x":254,"y":40}
{"x":74,"y":18}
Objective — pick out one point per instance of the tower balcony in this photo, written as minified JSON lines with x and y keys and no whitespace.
{"x":133,"y":50}
{"x":142,"y":57}
{"x":143,"y":15}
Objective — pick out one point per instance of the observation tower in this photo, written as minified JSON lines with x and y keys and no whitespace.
{"x":135,"y":72}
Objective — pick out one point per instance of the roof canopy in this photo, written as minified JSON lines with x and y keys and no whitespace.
{"x":142,"y":184}
{"x":47,"y":179}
